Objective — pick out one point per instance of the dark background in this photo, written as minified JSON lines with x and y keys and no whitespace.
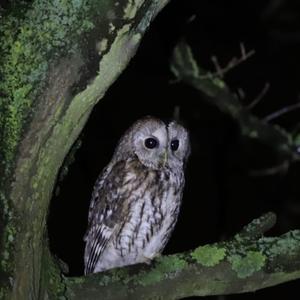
{"x":221,"y":195}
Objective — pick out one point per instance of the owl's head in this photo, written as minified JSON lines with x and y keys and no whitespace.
{"x":156,"y":144}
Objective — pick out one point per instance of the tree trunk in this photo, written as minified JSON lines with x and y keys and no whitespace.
{"x":58,"y":60}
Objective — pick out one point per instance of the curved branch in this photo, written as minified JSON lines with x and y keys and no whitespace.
{"x":259,"y":226}
{"x":244,"y":264}
{"x":186,"y":69}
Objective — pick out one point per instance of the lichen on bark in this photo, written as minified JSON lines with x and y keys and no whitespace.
{"x":245,"y":263}
{"x":60,"y":57}
{"x":33,"y":36}
{"x":53,"y":74}
{"x":209,"y":255}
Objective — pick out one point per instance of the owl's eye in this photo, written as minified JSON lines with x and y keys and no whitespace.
{"x":151,"y":143}
{"x":174,"y":145}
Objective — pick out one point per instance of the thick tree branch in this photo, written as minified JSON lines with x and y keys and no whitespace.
{"x":186,"y":69}
{"x":248,"y":262}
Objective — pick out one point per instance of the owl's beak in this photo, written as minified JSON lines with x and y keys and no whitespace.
{"x":164,"y":158}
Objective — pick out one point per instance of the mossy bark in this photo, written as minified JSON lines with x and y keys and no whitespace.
{"x":246,"y":263}
{"x":58,"y":58}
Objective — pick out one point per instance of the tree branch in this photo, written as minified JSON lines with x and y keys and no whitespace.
{"x":248,"y":262}
{"x":186,"y":69}
{"x":233,"y":63}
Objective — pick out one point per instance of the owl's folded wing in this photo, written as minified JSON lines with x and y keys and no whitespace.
{"x":108,"y":202}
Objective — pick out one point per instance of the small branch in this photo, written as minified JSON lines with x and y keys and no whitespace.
{"x":247,"y":263}
{"x":281,"y":112}
{"x":259,"y":96}
{"x":234,"y":62}
{"x":241,"y":93}
{"x":258,"y":226}
{"x":280,"y":168}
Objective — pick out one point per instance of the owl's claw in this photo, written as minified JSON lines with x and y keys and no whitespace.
{"x":148,"y":259}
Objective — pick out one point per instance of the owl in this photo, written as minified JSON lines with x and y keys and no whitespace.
{"x":137,"y":197}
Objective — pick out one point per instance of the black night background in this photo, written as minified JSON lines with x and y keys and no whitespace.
{"x":228,"y":177}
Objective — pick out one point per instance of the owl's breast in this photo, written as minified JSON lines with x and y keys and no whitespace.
{"x":165,"y":212}
{"x":152,"y":214}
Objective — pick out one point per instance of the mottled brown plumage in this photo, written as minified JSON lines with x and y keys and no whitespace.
{"x":136,"y":199}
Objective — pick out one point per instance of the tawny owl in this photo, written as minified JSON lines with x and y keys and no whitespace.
{"x":136,"y":199}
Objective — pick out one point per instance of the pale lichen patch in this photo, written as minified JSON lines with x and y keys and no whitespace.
{"x":111,"y":28}
{"x":102,"y":46}
{"x":209,"y":255}
{"x":245,"y":266}
{"x":274,"y":246}
{"x":165,"y":267}
{"x":132,"y":7}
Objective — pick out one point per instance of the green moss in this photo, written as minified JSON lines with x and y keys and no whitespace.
{"x":165,"y":267}
{"x":7,"y":236}
{"x":4,"y":292}
{"x":131,"y":9}
{"x":253,"y":134}
{"x":274,"y":246}
{"x":28,"y":36}
{"x":149,"y":278}
{"x":53,"y":278}
{"x":245,"y":266}
{"x":171,"y":264}
{"x":209,"y":255}
{"x":296,"y":139}
{"x":113,"y":276}
{"x":77,"y":280}
{"x":218,"y":82}
{"x":105,"y":280}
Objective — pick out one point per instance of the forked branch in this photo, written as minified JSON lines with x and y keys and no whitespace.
{"x":187,"y":70}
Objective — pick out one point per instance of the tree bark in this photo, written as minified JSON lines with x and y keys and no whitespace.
{"x":58,"y":60}
{"x":246,"y":263}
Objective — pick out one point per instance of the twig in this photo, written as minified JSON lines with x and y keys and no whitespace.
{"x":235,"y":61}
{"x":191,"y":19}
{"x":281,"y":168}
{"x":241,"y":93}
{"x":260,"y":96}
{"x":281,"y":112}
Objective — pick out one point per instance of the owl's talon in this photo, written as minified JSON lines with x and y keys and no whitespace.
{"x":148,"y":259}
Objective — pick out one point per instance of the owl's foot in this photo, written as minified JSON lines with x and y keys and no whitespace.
{"x":149,"y":258}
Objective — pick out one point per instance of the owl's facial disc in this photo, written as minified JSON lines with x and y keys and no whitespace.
{"x":179,"y":145}
{"x":157,"y":144}
{"x":151,"y":145}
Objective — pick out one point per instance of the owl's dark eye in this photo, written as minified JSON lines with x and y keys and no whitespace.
{"x":174,"y":145}
{"x":151,"y":143}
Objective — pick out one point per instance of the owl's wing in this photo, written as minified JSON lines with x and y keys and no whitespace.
{"x":98,"y":187}
{"x":108,"y":201}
